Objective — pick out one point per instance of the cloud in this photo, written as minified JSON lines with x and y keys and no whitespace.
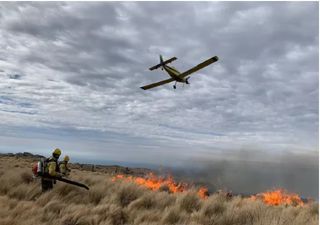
{"x":82,"y":64}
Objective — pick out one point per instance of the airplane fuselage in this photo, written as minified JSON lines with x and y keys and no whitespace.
{"x":175,"y":74}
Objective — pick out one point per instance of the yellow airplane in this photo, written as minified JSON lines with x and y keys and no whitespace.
{"x":175,"y":74}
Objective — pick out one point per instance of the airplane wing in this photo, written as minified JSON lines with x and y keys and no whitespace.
{"x":199,"y":66}
{"x":157,"y":84}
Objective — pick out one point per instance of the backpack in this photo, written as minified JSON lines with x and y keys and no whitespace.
{"x":38,"y":168}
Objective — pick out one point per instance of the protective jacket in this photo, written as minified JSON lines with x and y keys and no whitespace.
{"x":63,"y":166}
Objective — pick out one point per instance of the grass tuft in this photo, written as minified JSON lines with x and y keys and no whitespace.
{"x":189,"y":202}
{"x":127,"y":194}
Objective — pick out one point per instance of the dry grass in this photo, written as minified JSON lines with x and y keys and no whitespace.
{"x":117,"y":203}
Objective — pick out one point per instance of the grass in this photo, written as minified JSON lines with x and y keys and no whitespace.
{"x":116,"y":203}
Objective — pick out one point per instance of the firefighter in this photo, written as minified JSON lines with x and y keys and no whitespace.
{"x":51,"y":170}
{"x":63,"y":166}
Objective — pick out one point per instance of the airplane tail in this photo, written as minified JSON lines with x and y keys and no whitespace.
{"x":161,"y":60}
{"x":162,"y":63}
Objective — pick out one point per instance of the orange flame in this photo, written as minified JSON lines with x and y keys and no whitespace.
{"x":155,"y":183}
{"x":279,"y":197}
{"x":203,"y":193}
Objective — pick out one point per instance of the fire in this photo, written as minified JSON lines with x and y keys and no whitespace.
{"x":203,"y":193}
{"x":279,"y":197}
{"x":156,"y":183}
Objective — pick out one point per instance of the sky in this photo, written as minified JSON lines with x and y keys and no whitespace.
{"x":70,"y":75}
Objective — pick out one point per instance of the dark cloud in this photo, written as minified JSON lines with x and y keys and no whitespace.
{"x":14,"y":76}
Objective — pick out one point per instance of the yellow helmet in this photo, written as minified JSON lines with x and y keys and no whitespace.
{"x":66,"y":158}
{"x":56,"y":152}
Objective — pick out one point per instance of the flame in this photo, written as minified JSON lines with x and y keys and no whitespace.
{"x":203,"y":192}
{"x":279,"y":197}
{"x":156,"y":183}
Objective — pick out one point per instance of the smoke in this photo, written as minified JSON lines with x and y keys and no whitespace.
{"x":249,"y":172}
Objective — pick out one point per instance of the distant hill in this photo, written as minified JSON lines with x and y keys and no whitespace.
{"x":22,"y":155}
{"x":110,"y":169}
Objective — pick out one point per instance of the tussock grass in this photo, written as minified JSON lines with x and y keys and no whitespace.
{"x":145,"y":202}
{"x":116,"y":203}
{"x":26,"y":177}
{"x":174,"y":215}
{"x":189,"y":202}
{"x":128,"y":193}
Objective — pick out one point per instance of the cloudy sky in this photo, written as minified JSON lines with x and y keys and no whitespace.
{"x":70,"y":75}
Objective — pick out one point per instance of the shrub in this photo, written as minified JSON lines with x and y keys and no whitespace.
{"x":213,"y":206}
{"x":314,"y":209}
{"x":145,"y":216}
{"x":127,"y":194}
{"x":145,"y":202}
{"x":26,"y":177}
{"x":174,"y":215}
{"x":96,"y":194}
{"x":164,"y":200}
{"x":189,"y":202}
{"x":118,"y":216}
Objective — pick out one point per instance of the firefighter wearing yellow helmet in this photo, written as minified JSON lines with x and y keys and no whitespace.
{"x":63,"y":166}
{"x":51,"y":170}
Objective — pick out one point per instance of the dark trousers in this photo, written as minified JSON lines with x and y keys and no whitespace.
{"x":46,"y":184}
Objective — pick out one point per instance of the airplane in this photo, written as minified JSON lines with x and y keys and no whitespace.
{"x":175,"y":74}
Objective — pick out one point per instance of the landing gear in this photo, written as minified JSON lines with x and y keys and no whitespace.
{"x":187,"y":82}
{"x":174,"y":86}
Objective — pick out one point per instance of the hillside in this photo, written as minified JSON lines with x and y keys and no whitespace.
{"x":110,"y":169}
{"x":121,"y":202}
